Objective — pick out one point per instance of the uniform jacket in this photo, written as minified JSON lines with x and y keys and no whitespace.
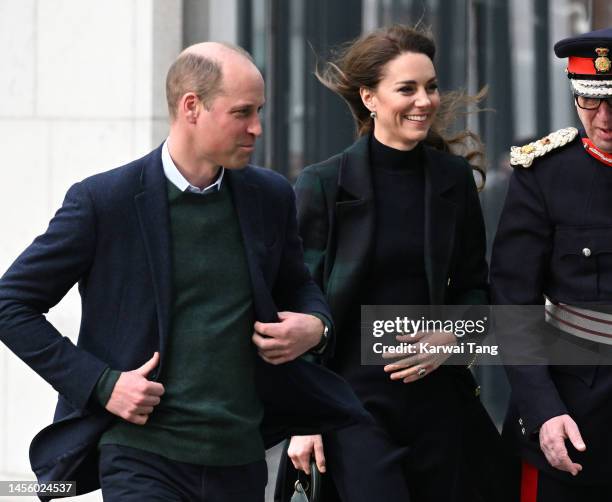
{"x":553,"y":211}
{"x":112,"y":236}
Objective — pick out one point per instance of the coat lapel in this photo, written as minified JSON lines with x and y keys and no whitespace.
{"x":248,"y":204}
{"x":152,"y":208}
{"x":355,"y":226}
{"x":440,"y":219}
{"x":355,"y":213}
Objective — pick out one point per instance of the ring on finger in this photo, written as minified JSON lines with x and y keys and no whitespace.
{"x":421,"y":372}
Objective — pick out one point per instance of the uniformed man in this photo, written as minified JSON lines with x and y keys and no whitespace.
{"x":554,"y":246}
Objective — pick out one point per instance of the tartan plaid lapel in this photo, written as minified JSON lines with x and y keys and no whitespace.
{"x":355,"y":223}
{"x":440,"y":220}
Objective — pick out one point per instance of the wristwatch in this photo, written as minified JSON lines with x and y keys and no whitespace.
{"x":320,"y":347}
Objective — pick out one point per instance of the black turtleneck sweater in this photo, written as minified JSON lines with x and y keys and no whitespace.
{"x":397,"y":267}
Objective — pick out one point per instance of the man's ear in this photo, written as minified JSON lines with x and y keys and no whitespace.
{"x":190,"y":107}
{"x":367,"y":96}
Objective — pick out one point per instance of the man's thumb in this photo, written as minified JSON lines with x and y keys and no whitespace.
{"x":147,"y":367}
{"x":283,"y":315}
{"x":574,"y":435}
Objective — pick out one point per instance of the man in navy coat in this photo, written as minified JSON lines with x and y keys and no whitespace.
{"x":554,"y":247}
{"x":195,"y":304}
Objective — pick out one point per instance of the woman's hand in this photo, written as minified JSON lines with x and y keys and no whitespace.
{"x":428,"y":356}
{"x":301,"y":449}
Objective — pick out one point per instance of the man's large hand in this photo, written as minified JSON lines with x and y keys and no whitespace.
{"x":280,"y":342}
{"x":134,"y":397}
{"x":552,"y":442}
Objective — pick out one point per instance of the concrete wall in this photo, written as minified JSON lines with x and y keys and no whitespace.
{"x":81,"y":91}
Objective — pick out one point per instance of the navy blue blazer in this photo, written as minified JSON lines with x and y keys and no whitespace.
{"x":111,"y":235}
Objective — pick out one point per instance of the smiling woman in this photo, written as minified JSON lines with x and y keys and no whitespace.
{"x":405,"y":101}
{"x":398,"y":62}
{"x":395,"y":220}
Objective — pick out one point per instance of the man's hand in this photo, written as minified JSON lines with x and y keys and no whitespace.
{"x":301,"y":449}
{"x":134,"y":397}
{"x":552,"y":442}
{"x":281,"y":342}
{"x":421,"y":363}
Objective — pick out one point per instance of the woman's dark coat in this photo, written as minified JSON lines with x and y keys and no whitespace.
{"x":336,"y":219}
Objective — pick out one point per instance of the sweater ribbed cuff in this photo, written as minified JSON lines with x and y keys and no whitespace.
{"x":106,"y":384}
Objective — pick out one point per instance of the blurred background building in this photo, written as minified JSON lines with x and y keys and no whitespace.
{"x":82,"y":91}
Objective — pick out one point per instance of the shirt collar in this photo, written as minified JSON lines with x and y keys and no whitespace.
{"x":178,"y":180}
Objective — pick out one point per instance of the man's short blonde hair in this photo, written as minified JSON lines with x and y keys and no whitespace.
{"x":192,"y":72}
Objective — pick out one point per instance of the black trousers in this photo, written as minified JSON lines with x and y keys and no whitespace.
{"x":365,"y":465}
{"x":133,"y":475}
{"x":438,"y":437}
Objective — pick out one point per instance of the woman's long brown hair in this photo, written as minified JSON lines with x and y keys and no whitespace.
{"x":360,"y":63}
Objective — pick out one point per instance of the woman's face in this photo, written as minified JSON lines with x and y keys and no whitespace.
{"x":405,"y":101}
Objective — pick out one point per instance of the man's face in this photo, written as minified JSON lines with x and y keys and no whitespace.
{"x":598,"y":125}
{"x":226,"y":131}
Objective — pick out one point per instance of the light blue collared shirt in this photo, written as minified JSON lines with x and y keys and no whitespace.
{"x":178,"y":180}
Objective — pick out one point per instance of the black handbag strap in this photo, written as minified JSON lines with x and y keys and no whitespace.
{"x":311,"y":484}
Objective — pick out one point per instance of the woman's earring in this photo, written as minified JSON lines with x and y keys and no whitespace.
{"x":373,"y":115}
